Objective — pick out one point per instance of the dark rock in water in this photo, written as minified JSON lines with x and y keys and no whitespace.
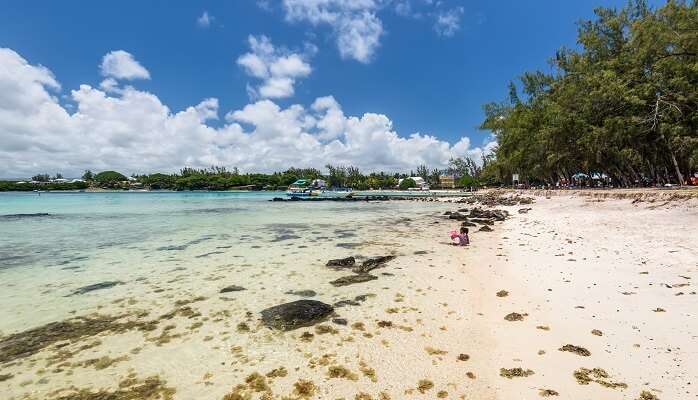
{"x":280,"y":238}
{"x":296,"y":314}
{"x":458,"y":216}
{"x":96,"y":286}
{"x":340,"y":321}
{"x":232,"y":288}
{"x":363,"y":297}
{"x":302,"y":293}
{"x":277,"y":199}
{"x":344,"y":303}
{"x":420,"y":252}
{"x":524,"y":210}
{"x":485,"y":228}
{"x":371,"y":264}
{"x":342,"y":262}
{"x":348,"y":245}
{"x":352,"y":279}
{"x":447,"y":213}
{"x":19,"y":216}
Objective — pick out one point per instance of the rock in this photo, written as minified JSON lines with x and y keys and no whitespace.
{"x":485,"y":228}
{"x":302,"y":293}
{"x":447,"y":213}
{"x":96,"y":286}
{"x":482,"y":221}
{"x":524,"y":210}
{"x":344,"y":303}
{"x":19,"y":216}
{"x":342,"y":262}
{"x":296,"y":314}
{"x":371,"y":264}
{"x":232,"y":288}
{"x":466,"y":223}
{"x":352,"y":279}
{"x":340,"y":321}
{"x":458,"y":216}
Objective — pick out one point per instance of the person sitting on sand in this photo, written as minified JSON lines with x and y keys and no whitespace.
{"x":463,"y":239}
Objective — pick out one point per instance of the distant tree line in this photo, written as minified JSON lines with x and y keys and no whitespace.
{"x":465,"y":170}
{"x":625,"y":105}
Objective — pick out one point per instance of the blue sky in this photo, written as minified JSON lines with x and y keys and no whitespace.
{"x":424,"y":76}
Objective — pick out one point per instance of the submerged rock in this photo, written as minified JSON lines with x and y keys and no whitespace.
{"x":344,"y":303}
{"x":296,"y":314}
{"x":342,"y":262}
{"x":232,"y":288}
{"x":371,"y":264}
{"x":19,"y":216}
{"x":302,"y":293}
{"x":352,"y":279}
{"x":96,"y":286}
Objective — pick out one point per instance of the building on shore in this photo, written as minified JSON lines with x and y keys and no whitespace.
{"x":447,"y":182}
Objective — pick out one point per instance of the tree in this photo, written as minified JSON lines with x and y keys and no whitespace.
{"x":423,"y":172}
{"x":109,"y":179}
{"x":468,"y":181}
{"x":88,"y":175}
{"x":407,"y":183}
{"x":624,"y":104}
{"x":58,"y":176}
{"x":41,"y":178}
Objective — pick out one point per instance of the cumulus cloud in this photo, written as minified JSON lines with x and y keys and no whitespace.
{"x":354,"y":22}
{"x":120,"y":64}
{"x":447,"y":22}
{"x":278,"y":69}
{"x":204,"y":21}
{"x":134,"y":132}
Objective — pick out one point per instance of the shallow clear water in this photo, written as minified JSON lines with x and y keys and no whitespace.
{"x":149,"y":242}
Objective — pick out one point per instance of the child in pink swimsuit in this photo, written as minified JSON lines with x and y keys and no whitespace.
{"x":463,"y":239}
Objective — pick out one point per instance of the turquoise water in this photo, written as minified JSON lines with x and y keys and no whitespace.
{"x":144,"y":255}
{"x":54,"y":243}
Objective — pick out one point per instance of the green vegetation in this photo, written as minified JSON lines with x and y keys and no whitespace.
{"x":109,"y":179}
{"x":625,"y":104}
{"x":407,"y":183}
{"x":12,"y":186}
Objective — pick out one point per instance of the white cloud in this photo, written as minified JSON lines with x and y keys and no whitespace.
{"x":120,"y":64}
{"x":132,"y":131}
{"x":204,"y":21}
{"x":447,"y":22}
{"x":277,"y":68}
{"x":354,"y":22}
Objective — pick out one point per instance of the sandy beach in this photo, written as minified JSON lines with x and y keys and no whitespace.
{"x":582,"y":296}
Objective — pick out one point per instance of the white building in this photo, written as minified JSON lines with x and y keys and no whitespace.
{"x":421,"y":183}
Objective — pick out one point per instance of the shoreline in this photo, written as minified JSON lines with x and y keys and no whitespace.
{"x":434,"y":324}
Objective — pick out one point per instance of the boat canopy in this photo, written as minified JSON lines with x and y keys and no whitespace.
{"x":300,"y":182}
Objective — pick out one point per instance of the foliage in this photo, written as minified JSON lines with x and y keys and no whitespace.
{"x":13,"y":186}
{"x":88,"y":175}
{"x":41,"y":178}
{"x":407,"y":183}
{"x":467,"y":181}
{"x":111,"y":179}
{"x":625,"y":104}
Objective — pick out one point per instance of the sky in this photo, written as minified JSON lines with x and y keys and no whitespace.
{"x":146,"y":86}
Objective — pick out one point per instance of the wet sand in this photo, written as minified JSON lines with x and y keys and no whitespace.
{"x":598,"y":294}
